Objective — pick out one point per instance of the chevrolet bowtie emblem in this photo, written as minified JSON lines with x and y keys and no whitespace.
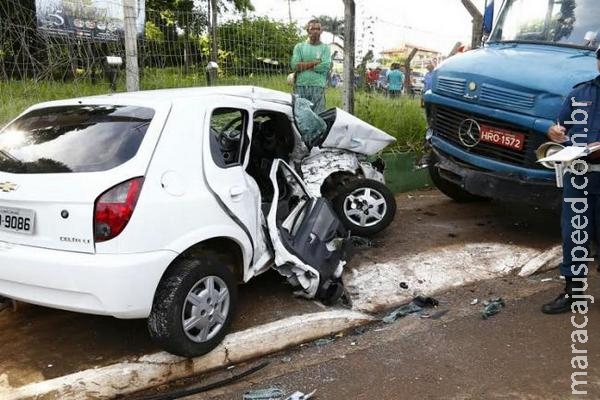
{"x":8,"y":186}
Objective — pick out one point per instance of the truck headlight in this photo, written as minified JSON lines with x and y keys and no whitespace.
{"x":546,"y":150}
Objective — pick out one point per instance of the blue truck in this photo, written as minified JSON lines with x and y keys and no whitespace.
{"x":489,"y":109}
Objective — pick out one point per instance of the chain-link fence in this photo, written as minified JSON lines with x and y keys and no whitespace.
{"x":52,"y":49}
{"x":62,"y":50}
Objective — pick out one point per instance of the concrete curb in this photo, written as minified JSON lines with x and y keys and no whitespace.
{"x":155,"y":369}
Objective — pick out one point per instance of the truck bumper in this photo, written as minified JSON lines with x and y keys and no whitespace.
{"x":498,"y":186}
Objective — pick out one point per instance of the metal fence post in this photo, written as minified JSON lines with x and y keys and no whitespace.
{"x":132,"y":73}
{"x":349,"y":16}
{"x":211,"y":73}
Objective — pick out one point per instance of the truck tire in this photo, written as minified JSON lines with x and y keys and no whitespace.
{"x":365,"y":206}
{"x":193,"y":306}
{"x":451,"y":189}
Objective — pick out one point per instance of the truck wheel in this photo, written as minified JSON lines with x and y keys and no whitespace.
{"x":450,"y":189}
{"x":365,"y":206}
{"x":193,"y":307}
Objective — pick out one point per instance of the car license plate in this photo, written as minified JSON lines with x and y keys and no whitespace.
{"x":17,"y":220}
{"x":502,"y":137}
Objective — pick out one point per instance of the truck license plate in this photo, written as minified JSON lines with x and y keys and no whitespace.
{"x":17,"y":220}
{"x":502,"y":137}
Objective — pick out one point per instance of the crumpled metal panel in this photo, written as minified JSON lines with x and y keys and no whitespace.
{"x":323,"y":162}
{"x":353,"y":134}
{"x":371,"y":173}
{"x":309,"y":241}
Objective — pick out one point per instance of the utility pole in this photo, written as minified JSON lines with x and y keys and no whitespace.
{"x":132,"y":72}
{"x":477,"y":32}
{"x":349,"y":43}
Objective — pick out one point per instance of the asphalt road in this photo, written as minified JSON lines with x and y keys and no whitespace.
{"x":38,"y":344}
{"x":519,"y":353}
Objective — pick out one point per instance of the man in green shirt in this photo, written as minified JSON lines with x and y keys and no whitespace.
{"x":311,"y":62}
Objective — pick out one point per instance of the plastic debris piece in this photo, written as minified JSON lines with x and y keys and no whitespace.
{"x":402,"y":312}
{"x":546,"y":279}
{"x":263,"y":394}
{"x":403,"y":285}
{"x":492,"y":307}
{"x":301,"y":396}
{"x":360,"y":330}
{"x":323,"y":342}
{"x":474,"y":301}
{"x":359,"y":241}
{"x":286,"y":359}
{"x":422,"y":301}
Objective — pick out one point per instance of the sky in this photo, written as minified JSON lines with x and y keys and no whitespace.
{"x":381,"y":24}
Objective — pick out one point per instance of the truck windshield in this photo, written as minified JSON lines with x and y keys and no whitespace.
{"x":566,"y":22}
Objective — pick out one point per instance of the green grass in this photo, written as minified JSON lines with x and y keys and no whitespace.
{"x":402,"y":118}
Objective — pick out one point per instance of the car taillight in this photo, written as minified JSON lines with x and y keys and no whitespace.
{"x":113,"y":209}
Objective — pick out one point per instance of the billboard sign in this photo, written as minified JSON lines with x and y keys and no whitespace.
{"x":88,"y":19}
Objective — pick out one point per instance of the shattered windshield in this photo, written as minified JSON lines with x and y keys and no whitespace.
{"x":82,"y":138}
{"x":565,"y":22}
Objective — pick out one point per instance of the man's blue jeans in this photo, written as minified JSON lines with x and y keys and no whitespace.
{"x":580,"y":223}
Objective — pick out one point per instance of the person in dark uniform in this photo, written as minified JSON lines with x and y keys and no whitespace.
{"x":578,"y":124}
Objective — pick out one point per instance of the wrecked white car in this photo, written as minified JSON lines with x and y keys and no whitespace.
{"x":157,"y":204}
{"x":338,"y":167}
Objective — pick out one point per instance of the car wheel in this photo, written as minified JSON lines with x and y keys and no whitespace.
{"x":365,"y":206}
{"x":451,"y":189}
{"x":193,"y":307}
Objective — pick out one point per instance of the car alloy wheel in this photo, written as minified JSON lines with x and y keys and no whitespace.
{"x":205,"y":309}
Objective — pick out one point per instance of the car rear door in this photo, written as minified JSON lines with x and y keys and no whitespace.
{"x":227,"y":136}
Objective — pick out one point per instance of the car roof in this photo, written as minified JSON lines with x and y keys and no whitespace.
{"x":171,"y":95}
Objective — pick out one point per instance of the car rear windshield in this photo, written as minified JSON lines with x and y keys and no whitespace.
{"x":76,"y":138}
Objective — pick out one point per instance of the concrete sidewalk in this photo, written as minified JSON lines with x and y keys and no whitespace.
{"x":423,"y":252}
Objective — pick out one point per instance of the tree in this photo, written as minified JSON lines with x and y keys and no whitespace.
{"x":332,"y":25}
{"x":239,"y":5}
{"x":267,"y":46}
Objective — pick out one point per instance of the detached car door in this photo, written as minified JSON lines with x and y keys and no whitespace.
{"x":309,"y":241}
{"x":225,"y":148}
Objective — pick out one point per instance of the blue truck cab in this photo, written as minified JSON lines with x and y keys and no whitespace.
{"x":489,"y":109}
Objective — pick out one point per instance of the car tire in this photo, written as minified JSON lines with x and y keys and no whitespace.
{"x":451,"y":189}
{"x":184,"y":298}
{"x":365,"y":206}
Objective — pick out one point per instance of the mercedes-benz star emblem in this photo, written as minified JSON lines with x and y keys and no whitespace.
{"x":469,"y":132}
{"x":8,"y":186}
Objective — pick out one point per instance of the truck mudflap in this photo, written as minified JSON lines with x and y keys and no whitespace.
{"x":495,"y":185}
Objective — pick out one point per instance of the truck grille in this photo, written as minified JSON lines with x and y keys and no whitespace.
{"x":505,"y":98}
{"x":451,"y":86}
{"x":445,"y":122}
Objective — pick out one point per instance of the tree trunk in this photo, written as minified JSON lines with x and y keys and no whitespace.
{"x":407,"y":79}
{"x":349,"y":43}
{"x":477,"y":32}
